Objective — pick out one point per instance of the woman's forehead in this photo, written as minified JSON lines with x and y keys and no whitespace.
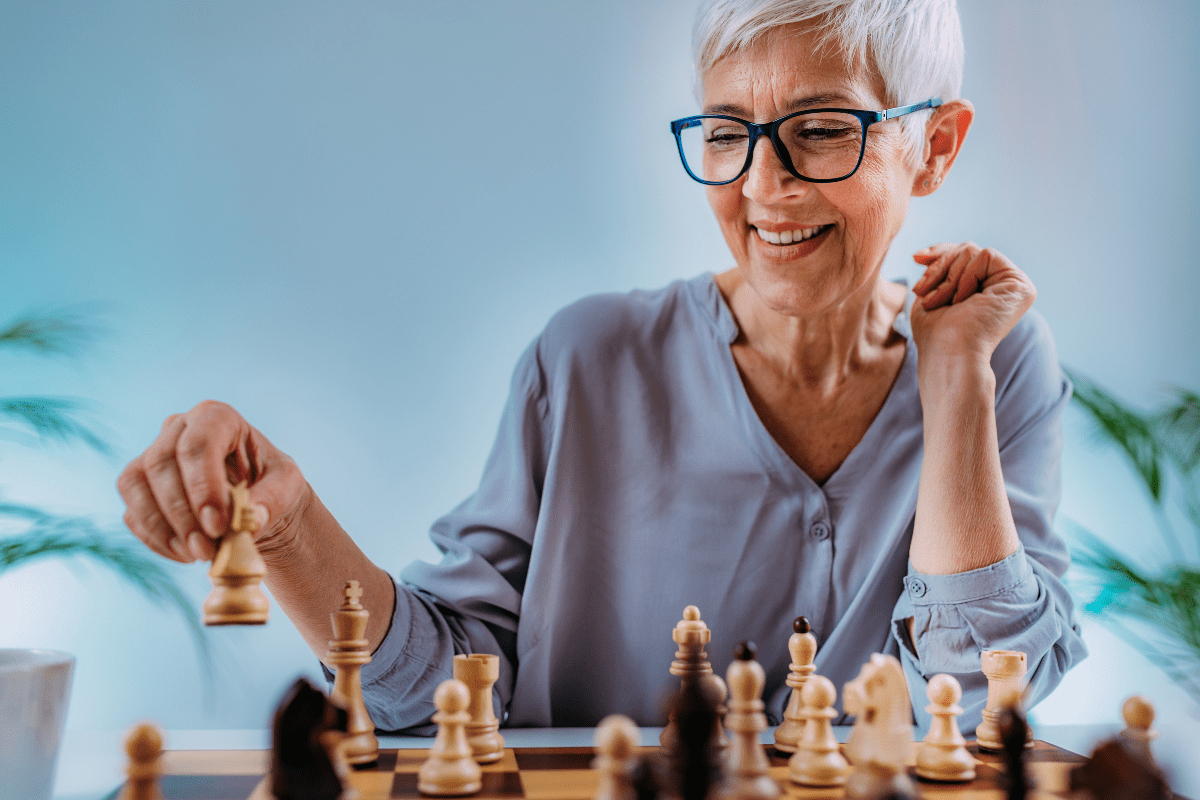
{"x":786,"y":70}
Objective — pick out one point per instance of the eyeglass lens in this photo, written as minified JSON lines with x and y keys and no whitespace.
{"x":824,"y":145}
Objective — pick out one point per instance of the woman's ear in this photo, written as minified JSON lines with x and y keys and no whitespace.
{"x":944,"y":134}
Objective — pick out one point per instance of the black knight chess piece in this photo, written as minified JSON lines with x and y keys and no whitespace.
{"x":305,"y":762}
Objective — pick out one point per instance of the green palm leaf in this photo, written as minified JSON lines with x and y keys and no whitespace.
{"x":52,"y":419}
{"x":48,"y":535}
{"x":1132,"y":432}
{"x":62,"y":332}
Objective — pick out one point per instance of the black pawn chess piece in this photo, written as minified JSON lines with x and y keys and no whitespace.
{"x":303,"y":764}
{"x":1114,"y":773}
{"x":1013,"y":733}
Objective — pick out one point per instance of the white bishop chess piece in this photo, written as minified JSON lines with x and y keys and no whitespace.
{"x":802,"y":646}
{"x":746,"y":767}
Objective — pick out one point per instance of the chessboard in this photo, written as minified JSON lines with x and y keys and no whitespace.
{"x":553,"y":773}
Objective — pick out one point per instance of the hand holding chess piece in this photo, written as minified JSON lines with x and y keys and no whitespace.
{"x":237,"y":569}
{"x":144,"y":747}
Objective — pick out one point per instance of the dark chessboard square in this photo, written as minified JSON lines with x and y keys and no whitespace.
{"x":555,"y":758}
{"x":386,"y":762}
{"x":495,"y":784}
{"x":208,"y":787}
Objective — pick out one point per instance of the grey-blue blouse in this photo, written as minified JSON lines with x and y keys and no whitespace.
{"x":632,"y":477}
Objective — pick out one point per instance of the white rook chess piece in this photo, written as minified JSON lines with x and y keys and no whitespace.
{"x":818,"y":761}
{"x":617,"y":739}
{"x":802,"y":646}
{"x":144,"y":747}
{"x":943,"y":755}
{"x":746,"y":766}
{"x":348,"y":651}
{"x":479,"y":672}
{"x":1137,"y":735}
{"x":1005,"y":671}
{"x":451,"y":769}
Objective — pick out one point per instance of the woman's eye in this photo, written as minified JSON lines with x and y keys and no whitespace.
{"x":725,"y":137}
{"x":821,"y":130}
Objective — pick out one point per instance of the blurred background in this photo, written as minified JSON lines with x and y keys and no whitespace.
{"x":348,"y":219}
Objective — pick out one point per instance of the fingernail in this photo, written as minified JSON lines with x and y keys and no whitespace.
{"x":261,"y":515}
{"x":196,"y":542}
{"x":179,"y":550}
{"x":211,"y":521}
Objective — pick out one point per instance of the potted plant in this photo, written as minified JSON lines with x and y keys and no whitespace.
{"x":1154,"y":606}
{"x":35,"y":684}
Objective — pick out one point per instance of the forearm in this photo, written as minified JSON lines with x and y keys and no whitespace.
{"x":307,"y":570}
{"x":963,"y":520}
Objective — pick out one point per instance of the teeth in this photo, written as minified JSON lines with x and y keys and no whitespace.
{"x":789,"y":237}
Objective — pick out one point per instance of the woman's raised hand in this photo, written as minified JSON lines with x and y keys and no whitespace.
{"x":968,"y":300}
{"x":177,"y":492}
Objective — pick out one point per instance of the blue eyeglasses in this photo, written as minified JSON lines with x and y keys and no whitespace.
{"x":820,"y":145}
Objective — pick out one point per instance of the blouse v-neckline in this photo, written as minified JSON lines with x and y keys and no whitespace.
{"x":774,"y":458}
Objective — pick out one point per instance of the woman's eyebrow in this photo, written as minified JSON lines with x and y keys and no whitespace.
{"x":808,"y":101}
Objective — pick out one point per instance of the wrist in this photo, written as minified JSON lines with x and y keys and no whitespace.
{"x":286,"y":538}
{"x":955,"y":379}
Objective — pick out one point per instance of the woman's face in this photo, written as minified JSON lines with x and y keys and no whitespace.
{"x":857,"y":218}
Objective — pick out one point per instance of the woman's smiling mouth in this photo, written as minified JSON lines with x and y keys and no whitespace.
{"x":790,"y":237}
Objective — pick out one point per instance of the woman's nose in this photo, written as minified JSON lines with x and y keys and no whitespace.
{"x":767,"y":179}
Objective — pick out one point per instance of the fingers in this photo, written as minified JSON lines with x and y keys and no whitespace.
{"x":213,"y":432}
{"x":162,"y":477}
{"x":143,"y":517}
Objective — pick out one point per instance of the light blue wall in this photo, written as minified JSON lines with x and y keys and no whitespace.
{"x":347,"y":220}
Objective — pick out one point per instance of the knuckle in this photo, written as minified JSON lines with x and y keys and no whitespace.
{"x":130,"y":478}
{"x":211,"y":408}
{"x":171,"y":421}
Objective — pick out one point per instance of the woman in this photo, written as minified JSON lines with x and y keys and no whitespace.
{"x":793,"y":436}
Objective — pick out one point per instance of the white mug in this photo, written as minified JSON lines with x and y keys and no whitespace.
{"x":34,"y":688}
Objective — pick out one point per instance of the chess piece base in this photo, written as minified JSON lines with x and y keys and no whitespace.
{"x":360,"y":749}
{"x":487,"y":746}
{"x":946,"y":767}
{"x":236,"y":605}
{"x":869,"y":781}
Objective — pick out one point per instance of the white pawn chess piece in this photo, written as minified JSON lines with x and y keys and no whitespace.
{"x":746,"y":767}
{"x":818,"y":760}
{"x":943,"y":755}
{"x":1005,"y":671}
{"x":802,"y":646}
{"x":1138,"y":733}
{"x":617,"y":739}
{"x":479,"y":671}
{"x":451,"y":768}
{"x":144,"y":747}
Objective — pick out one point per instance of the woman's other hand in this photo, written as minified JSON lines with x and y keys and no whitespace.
{"x":177,"y":492}
{"x":968,"y":300}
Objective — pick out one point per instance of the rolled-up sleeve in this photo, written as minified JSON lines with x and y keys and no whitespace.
{"x":1019,"y":603}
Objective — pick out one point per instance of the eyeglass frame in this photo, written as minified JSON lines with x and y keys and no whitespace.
{"x":771,"y":131}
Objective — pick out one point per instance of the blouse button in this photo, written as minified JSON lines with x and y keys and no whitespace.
{"x":917,"y":587}
{"x":820,"y":531}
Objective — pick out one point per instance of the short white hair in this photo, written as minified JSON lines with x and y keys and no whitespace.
{"x":915,"y":45}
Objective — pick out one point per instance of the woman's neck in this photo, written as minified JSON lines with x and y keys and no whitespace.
{"x":820,"y":351}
